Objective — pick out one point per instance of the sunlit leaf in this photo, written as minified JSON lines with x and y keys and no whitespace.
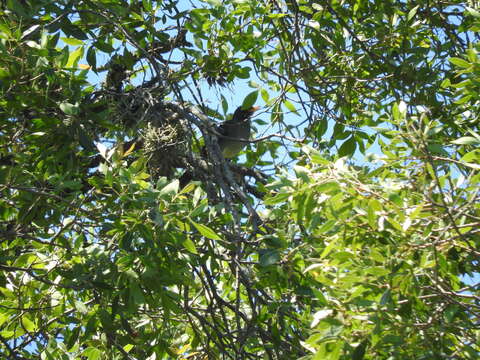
{"x":190,"y":246}
{"x":206,"y":231}
{"x":459,"y":62}
{"x":74,"y":57}
{"x":466,"y":140}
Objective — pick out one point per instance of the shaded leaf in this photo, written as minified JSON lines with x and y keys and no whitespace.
{"x":250,"y":100}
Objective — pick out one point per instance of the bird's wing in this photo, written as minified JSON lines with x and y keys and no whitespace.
{"x":222,"y":128}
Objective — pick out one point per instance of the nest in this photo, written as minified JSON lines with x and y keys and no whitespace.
{"x":166,"y":141}
{"x":165,"y":136}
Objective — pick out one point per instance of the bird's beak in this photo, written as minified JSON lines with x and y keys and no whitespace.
{"x":251,"y":109}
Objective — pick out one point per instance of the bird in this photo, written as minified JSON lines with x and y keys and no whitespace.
{"x":235,"y":133}
{"x":233,"y":136}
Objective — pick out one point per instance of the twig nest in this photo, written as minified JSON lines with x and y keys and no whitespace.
{"x":166,"y":140}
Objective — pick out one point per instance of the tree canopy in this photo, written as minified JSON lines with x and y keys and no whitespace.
{"x":348,"y":228}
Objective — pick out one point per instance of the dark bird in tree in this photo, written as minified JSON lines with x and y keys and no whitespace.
{"x":233,"y":136}
{"x":235,"y":133}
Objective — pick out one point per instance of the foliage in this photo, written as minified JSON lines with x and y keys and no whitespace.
{"x":348,"y":230}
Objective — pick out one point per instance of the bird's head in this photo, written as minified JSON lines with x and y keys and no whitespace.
{"x":242,"y":114}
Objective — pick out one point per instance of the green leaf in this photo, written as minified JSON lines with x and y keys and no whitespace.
{"x":224,"y":104}
{"x":472,"y":165}
{"x":206,"y":231}
{"x":463,"y":99}
{"x":250,"y":100}
{"x":471,"y":156}
{"x":265,"y":95}
{"x":85,"y":140}
{"x":128,"y":347}
{"x":290,"y":106}
{"x":190,"y":245}
{"x":18,"y":8}
{"x":147,"y":5}
{"x":445,"y":83}
{"x":243,"y":72}
{"x":386,"y":297}
{"x":7,"y":334}
{"x":472,"y":12}
{"x":278,"y":198}
{"x":72,"y":339}
{"x":314,"y":24}
{"x":326,"y":227}
{"x":399,"y":110}
{"x":170,"y":189}
{"x":69,"y":109}
{"x":29,"y":31}
{"x":33,"y":44}
{"x":136,"y":293}
{"x":215,"y":3}
{"x":105,"y":319}
{"x":62,"y":58}
{"x":348,"y":147}
{"x":329,"y":187}
{"x":104,"y":46}
{"x":5,"y":32}
{"x":28,"y":324}
{"x":80,"y":306}
{"x":371,"y":217}
{"x":459,"y":62}
{"x":3,"y":318}
{"x":25,"y":260}
{"x":74,"y":57}
{"x":71,"y":41}
{"x":92,"y":57}
{"x":92,"y":353}
{"x":320,"y":315}
{"x":74,"y":31}
{"x":466,"y":140}
{"x":269,"y":257}
{"x":412,"y":13}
